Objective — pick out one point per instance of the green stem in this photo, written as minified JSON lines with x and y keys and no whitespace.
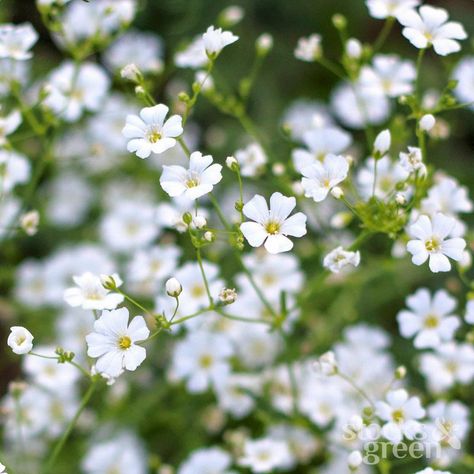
{"x":330,"y":66}
{"x":383,"y":35}
{"x":356,"y":388}
{"x":134,"y":302}
{"x":204,"y":278}
{"x":183,"y":145}
{"x":419,"y":62}
{"x":62,"y":441}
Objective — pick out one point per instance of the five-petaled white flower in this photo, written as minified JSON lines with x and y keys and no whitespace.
{"x":114,"y":342}
{"x":431,"y":242}
{"x":400,"y":414}
{"x":430,"y":27}
{"x":320,"y":177}
{"x":389,"y":8}
{"x":413,"y":160}
{"x":215,"y":40}
{"x":150,"y":133}
{"x":17,"y":40}
{"x":20,"y":340}
{"x":309,"y":48}
{"x":431,"y":319}
{"x":90,"y":293}
{"x":272,"y":225}
{"x":339,"y":258}
{"x":193,"y":182}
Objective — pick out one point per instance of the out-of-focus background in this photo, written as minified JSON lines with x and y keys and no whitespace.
{"x":166,"y":414}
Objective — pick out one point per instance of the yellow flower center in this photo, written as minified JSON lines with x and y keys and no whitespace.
{"x":431,"y":321}
{"x":154,"y":136}
{"x":432,"y":244}
{"x":124,"y":342}
{"x":398,"y":416}
{"x":205,"y":361}
{"x":272,"y":227}
{"x":197,"y":291}
{"x":192,"y":183}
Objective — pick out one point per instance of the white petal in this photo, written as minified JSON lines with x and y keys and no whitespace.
{"x":254,"y":233}
{"x":278,"y":243}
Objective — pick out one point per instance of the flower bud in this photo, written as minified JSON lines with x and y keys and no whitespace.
{"x":264,"y":43}
{"x":232,"y":163}
{"x":29,"y":222}
{"x":173,"y":287}
{"x":231,"y":15}
{"x":209,"y":236}
{"x":400,"y":372}
{"x":199,"y":221}
{"x":354,"y":48}
{"x":187,"y":218}
{"x":354,"y":460}
{"x":228,"y":295}
{"x":400,"y":199}
{"x":337,"y":192}
{"x":108,"y":282}
{"x":427,"y":122}
{"x":278,"y":169}
{"x":326,"y":364}
{"x":339,"y":21}
{"x":131,"y":73}
{"x":382,"y":143}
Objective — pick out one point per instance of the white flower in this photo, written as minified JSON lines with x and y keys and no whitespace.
{"x":430,"y":27}
{"x":464,"y":74}
{"x":29,"y":222}
{"x":354,"y":460}
{"x":8,"y":124}
{"x":272,"y":226}
{"x":193,"y":182}
{"x":73,"y":89}
{"x":389,"y":8}
{"x":353,"y":48}
{"x":451,"y":363}
{"x":470,"y":312}
{"x":207,"y":461}
{"x":114,"y":342}
{"x":202,"y":358}
{"x":3,"y":469}
{"x":430,"y":319}
{"x":194,"y":56}
{"x":320,"y":142}
{"x":309,"y":49}
{"x":339,"y":258}
{"x":149,"y":133}
{"x":427,"y":122}
{"x":430,"y":470}
{"x":91,"y":294}
{"x":431,"y":242}
{"x":14,"y":169}
{"x":17,"y":40}
{"x":319,"y":178}
{"x":382,"y":142}
{"x":388,"y":76}
{"x":215,"y":40}
{"x":327,"y":364}
{"x":173,"y":287}
{"x":20,"y":340}
{"x":265,"y":455}
{"x":251,"y":159}
{"x":413,"y":160}
{"x":400,"y":414}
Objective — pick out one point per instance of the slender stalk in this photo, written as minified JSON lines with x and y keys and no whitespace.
{"x":241,"y":318}
{"x":358,"y":389}
{"x":204,"y":278}
{"x":133,"y":301}
{"x":384,"y":33}
{"x":330,"y":66}
{"x":183,"y":145}
{"x":419,"y":62}
{"x":62,"y":441}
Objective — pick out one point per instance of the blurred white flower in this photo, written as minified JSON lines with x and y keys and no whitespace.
{"x":20,"y":340}
{"x":215,"y":40}
{"x":17,"y":40}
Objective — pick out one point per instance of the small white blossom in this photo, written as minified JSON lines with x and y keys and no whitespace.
{"x":90,"y":293}
{"x":327,"y":364}
{"x":8,"y":124}
{"x":339,"y":258}
{"x":272,"y":226}
{"x":413,"y":160}
{"x":264,"y":455}
{"x":113,"y":342}
{"x":29,"y":222}
{"x":309,"y":49}
{"x":251,"y":159}
{"x":20,"y":340}
{"x":400,"y":413}
{"x":17,"y":40}
{"x":430,"y":319}
{"x":430,"y":27}
{"x":354,"y":48}
{"x":431,"y":241}
{"x":215,"y":40}
{"x":321,"y":177}
{"x":382,"y":142}
{"x":427,"y":122}
{"x":150,"y":133}
{"x":193,"y":182}
{"x":389,"y":8}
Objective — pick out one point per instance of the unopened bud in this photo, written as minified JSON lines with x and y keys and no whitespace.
{"x":337,"y":192}
{"x":278,"y":169}
{"x":427,"y":122}
{"x":382,"y":143}
{"x":400,"y":372}
{"x":354,"y":48}
{"x":232,"y":163}
{"x":173,"y":287}
{"x":187,"y":218}
{"x":339,"y":21}
{"x":199,"y":221}
{"x":354,"y":460}
{"x":400,"y":199}
{"x":264,"y":43}
{"x":209,"y":236}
